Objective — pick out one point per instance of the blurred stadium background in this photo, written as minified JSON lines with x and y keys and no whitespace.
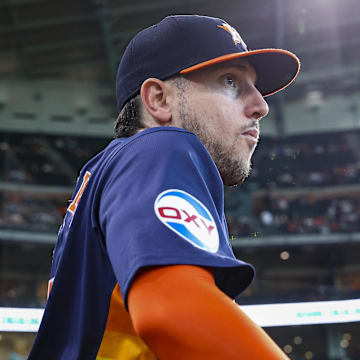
{"x":297,"y":218}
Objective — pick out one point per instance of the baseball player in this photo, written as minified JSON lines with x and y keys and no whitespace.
{"x":143,"y":268}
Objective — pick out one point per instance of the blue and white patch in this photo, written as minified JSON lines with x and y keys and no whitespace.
{"x":187,"y":217}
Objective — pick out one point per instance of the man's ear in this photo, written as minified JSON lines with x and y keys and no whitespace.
{"x":155,"y":98}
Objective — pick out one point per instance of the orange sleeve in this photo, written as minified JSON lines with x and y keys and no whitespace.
{"x":181,"y":314}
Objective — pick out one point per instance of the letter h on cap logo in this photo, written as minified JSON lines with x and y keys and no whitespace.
{"x":234,"y":34}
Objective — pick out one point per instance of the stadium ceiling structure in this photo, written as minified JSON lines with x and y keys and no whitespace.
{"x":83,"y":40}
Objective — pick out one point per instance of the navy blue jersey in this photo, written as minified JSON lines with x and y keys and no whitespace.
{"x":155,"y":198}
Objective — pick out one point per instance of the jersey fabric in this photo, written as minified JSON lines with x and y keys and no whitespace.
{"x":155,"y":198}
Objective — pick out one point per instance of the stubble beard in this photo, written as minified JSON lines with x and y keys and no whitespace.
{"x":233,"y":170}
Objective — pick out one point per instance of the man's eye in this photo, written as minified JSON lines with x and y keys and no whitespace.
{"x":230,"y":81}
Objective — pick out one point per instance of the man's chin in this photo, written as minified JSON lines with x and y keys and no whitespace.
{"x":235,"y":178}
{"x":231,"y":183}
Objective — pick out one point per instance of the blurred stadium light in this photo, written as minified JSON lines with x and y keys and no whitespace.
{"x":269,"y":315}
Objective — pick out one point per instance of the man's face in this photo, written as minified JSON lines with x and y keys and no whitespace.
{"x":222,"y":106}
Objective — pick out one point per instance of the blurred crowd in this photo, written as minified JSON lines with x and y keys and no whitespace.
{"x":301,"y":161}
{"x":311,"y":160}
{"x":29,"y":293}
{"x":265,"y":291}
{"x":32,"y":292}
{"x":34,"y":212}
{"x":45,"y":159}
{"x":306,"y":214}
{"x":302,"y":214}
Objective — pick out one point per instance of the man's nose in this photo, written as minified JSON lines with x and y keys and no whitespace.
{"x":256,"y":106}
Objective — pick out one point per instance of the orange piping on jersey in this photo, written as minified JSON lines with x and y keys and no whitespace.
{"x":50,"y":285}
{"x":73,"y":206}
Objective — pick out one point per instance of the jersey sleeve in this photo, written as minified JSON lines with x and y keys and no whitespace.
{"x":162,"y":204}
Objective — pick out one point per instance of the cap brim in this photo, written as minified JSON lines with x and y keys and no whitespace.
{"x":276,"y":68}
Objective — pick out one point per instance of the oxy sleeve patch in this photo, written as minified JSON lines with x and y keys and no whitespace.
{"x":187,"y":217}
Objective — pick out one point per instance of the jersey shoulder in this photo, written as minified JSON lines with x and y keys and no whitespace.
{"x":164,"y":139}
{"x":169,"y":148}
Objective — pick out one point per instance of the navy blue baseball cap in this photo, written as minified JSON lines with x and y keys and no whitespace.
{"x":180,"y":44}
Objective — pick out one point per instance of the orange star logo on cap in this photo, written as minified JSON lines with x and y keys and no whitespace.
{"x":234,"y":34}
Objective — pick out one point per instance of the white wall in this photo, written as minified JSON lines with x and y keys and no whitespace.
{"x":55,"y":107}
{"x":333,"y":115}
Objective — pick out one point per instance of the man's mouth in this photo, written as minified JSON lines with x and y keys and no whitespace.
{"x":251,"y":134}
